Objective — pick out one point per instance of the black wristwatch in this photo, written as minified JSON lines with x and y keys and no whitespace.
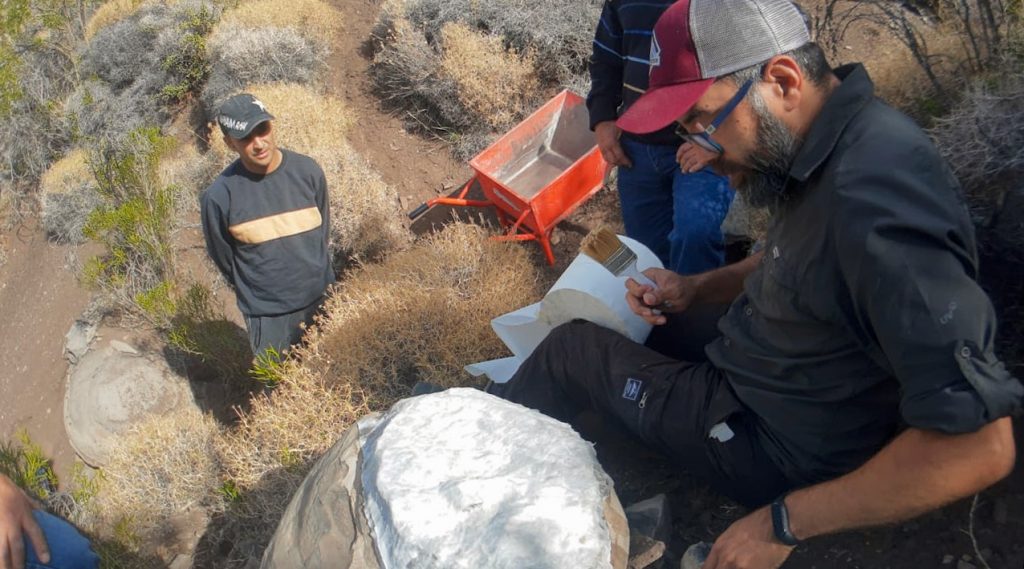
{"x":780,"y":522}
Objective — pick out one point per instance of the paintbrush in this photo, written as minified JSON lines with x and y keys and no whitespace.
{"x":604,"y":246}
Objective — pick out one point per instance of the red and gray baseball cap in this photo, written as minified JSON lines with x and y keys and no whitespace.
{"x":697,"y":41}
{"x":240,"y":114}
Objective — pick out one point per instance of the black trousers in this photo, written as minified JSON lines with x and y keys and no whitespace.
{"x":670,"y":404}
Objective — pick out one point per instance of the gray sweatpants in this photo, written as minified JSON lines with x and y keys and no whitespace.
{"x":281,"y":331}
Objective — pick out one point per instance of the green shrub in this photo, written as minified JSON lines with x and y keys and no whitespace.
{"x":134,"y":224}
{"x":189,"y":63}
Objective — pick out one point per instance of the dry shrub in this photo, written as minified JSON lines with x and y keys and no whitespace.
{"x":498,"y":84}
{"x":366,"y":215}
{"x":240,"y":57}
{"x":297,"y":35}
{"x":67,"y":174}
{"x":315,"y":20}
{"x":982,"y":138}
{"x":422,"y":315}
{"x":108,"y":13}
{"x":189,"y":171}
{"x":159,"y":469}
{"x":506,"y":56}
{"x":68,"y":197}
{"x":266,"y":457}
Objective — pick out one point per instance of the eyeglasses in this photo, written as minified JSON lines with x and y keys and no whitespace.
{"x":703,"y":138}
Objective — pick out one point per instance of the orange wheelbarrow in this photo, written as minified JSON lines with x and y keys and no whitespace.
{"x":537,"y":173}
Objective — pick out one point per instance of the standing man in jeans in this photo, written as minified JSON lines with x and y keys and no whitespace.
{"x":677,"y":214}
{"x":266,"y":220}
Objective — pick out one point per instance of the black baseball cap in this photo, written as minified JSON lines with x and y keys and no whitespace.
{"x":240,"y":114}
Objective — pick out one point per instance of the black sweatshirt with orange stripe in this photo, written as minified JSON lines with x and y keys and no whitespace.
{"x":269,"y":234}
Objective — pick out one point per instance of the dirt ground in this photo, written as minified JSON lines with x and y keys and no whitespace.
{"x":40,"y":299}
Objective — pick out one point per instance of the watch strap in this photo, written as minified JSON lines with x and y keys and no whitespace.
{"x":780,"y":522}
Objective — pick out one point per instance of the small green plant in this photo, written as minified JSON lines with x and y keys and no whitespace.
{"x":231,"y":492}
{"x":268,"y":367}
{"x":189,"y":63}
{"x":83,"y":486}
{"x":200,"y":330}
{"x":10,"y":86}
{"x":26,"y":465}
{"x":156,"y":302}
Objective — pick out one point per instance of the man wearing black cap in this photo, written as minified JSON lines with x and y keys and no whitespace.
{"x":852,"y":380}
{"x":266,"y":221}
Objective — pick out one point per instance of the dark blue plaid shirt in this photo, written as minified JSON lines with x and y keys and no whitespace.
{"x":620,"y":63}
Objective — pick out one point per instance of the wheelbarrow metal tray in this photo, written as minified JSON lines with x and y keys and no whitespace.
{"x":545,"y":167}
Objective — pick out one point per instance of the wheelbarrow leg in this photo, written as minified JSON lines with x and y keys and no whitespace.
{"x":545,"y":243}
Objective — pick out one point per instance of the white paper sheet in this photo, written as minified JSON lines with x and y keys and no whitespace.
{"x":585,"y":290}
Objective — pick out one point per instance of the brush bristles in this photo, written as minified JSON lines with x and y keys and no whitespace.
{"x":600,"y":244}
{"x":603,"y":246}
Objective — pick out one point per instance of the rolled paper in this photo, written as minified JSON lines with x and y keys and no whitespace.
{"x":585,"y":290}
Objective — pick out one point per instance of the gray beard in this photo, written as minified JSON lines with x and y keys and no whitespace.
{"x":765,"y":180}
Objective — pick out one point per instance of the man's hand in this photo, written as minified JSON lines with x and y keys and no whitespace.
{"x":749,"y":543}
{"x":16,"y":521}
{"x":675,"y":293}
{"x":607,"y":135}
{"x":693,"y":158}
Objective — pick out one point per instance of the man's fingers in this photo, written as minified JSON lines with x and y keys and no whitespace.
{"x":17,"y":551}
{"x":35,"y":535}
{"x":5,"y":554}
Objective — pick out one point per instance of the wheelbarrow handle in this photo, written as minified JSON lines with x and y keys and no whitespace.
{"x":419,"y":210}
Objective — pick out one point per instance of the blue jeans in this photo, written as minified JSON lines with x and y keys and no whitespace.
{"x":68,"y":548}
{"x":678,"y":216}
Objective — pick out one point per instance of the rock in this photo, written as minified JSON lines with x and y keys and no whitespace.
{"x":644,"y":552}
{"x":77,"y":340}
{"x":695,"y":555}
{"x":948,"y":559}
{"x":109,"y":391}
{"x":123,"y":347}
{"x":651,"y":517}
{"x":466,"y":481}
{"x":965,"y":565}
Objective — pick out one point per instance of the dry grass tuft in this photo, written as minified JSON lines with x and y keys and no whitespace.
{"x":68,"y":195}
{"x":366,"y":214}
{"x":421,"y":315}
{"x":108,"y":13}
{"x":67,"y":174}
{"x":313,"y":19}
{"x":189,"y":171}
{"x":496,"y":83}
{"x":160,"y":469}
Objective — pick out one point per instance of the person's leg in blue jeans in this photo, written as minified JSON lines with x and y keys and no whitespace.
{"x":677,"y":216}
{"x":701,"y":201}
{"x":645,"y":195}
{"x":68,"y":548}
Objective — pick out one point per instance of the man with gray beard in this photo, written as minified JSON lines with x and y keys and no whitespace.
{"x":851,"y":380}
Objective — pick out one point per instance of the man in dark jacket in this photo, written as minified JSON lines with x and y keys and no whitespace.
{"x":852,"y":381}
{"x":266,"y":220}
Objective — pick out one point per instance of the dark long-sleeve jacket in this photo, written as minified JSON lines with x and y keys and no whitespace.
{"x":620,"y":63}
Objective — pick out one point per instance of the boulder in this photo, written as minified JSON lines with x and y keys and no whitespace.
{"x":112,"y":389}
{"x":77,"y":340}
{"x":456,"y":479}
